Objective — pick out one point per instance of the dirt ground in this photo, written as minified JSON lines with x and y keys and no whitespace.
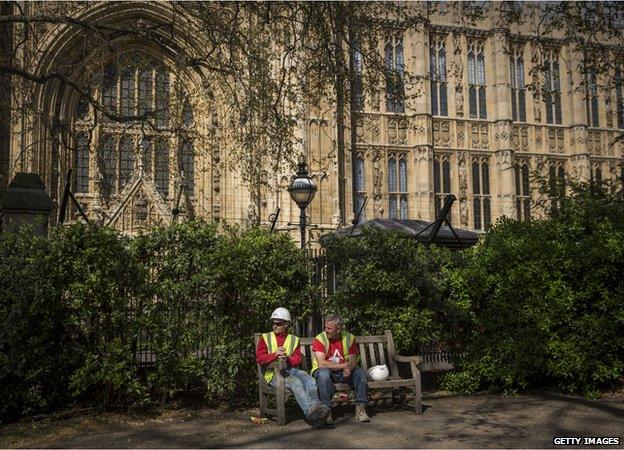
{"x":480,"y":421}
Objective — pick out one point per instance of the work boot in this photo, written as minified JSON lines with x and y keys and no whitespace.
{"x":317,"y":416}
{"x":360,"y":413}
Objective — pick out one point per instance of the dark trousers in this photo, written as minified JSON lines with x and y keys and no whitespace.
{"x":326,"y":378}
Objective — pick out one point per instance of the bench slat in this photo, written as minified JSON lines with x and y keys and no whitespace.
{"x":371,"y":352}
{"x":382,"y":356}
{"x":363,"y":360}
{"x":368,"y":339}
{"x":304,"y":359}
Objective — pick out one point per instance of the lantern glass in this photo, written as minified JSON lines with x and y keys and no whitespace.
{"x":302,"y":189}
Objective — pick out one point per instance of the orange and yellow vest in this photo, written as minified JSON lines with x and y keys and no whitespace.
{"x":290,"y":344}
{"x":347,"y":340}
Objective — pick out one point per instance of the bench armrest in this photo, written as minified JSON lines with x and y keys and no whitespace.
{"x":407,"y":359}
{"x":413,"y":362}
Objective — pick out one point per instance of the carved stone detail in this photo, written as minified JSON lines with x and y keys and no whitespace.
{"x":594,"y":143}
{"x":504,"y":159}
{"x":462,"y":172}
{"x":555,"y":140}
{"x":520,"y":138}
{"x":503,"y":133}
{"x":421,"y":127}
{"x":538,"y":136}
{"x":397,"y":131}
{"x":479,"y":135}
{"x":609,"y":110}
{"x":536,"y":61}
{"x":461,"y":133}
{"x":378,"y":177}
{"x":441,"y":133}
{"x":458,"y":72}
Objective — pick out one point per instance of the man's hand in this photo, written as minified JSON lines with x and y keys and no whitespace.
{"x":346,"y":373}
{"x":280,"y":353}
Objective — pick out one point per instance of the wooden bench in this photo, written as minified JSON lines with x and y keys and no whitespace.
{"x":374,"y":350}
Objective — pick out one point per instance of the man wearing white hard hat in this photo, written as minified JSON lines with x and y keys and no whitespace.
{"x":335,"y":361}
{"x":281,"y":345}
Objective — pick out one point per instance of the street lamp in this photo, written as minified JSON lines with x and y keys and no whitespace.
{"x":302,"y":190}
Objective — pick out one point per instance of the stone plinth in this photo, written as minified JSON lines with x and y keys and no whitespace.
{"x":25,"y":202}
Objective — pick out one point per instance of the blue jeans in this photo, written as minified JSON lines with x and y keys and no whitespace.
{"x":303,"y":387}
{"x":326,"y":378}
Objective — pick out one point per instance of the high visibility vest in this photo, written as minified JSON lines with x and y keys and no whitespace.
{"x":347,"y":340}
{"x":290,"y":344}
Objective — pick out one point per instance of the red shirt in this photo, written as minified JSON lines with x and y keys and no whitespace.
{"x":335,"y":352}
{"x":263,"y":357}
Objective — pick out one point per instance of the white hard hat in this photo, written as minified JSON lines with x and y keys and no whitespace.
{"x":378,"y":373}
{"x":281,"y":314}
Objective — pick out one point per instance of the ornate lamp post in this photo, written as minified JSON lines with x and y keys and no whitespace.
{"x":302,"y":191}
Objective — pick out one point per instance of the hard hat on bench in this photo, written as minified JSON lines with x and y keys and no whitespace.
{"x":378,"y":373}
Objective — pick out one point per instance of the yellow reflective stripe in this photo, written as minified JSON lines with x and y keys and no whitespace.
{"x":268,"y":341}
{"x":346,"y":345}
{"x":291,"y":344}
{"x":324,"y":340}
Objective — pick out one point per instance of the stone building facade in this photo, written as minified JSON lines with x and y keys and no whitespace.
{"x":492,"y":106}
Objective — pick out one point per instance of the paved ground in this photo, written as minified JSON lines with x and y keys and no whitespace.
{"x":448,"y":422}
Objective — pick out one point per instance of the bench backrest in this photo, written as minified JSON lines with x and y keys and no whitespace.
{"x":374,"y":350}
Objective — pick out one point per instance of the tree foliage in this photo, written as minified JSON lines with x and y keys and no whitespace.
{"x":546,"y":298}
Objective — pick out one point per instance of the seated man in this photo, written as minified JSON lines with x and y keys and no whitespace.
{"x":280,"y":345}
{"x":335,"y":361}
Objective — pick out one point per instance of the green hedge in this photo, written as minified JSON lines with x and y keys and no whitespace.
{"x":74,"y":307}
{"x":547,"y":300}
{"x":387,"y":281}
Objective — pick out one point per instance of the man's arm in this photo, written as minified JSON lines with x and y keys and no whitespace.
{"x":327,"y":364}
{"x":263,"y":357}
{"x":295,"y":359}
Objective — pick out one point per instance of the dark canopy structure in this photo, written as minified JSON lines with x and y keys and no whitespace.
{"x":421,"y":230}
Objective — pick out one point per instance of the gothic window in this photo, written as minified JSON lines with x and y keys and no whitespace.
{"x":397,"y":185}
{"x":552,"y":88}
{"x":81,"y":164}
{"x":523,"y":190}
{"x":437,"y":62}
{"x":360,"y":189}
{"x":556,"y":183}
{"x":161,"y":167}
{"x":146,"y":155}
{"x":108,"y":164}
{"x":187,"y":165}
{"x":395,"y":87}
{"x":476,"y":80}
{"x":620,"y":98}
{"x":358,"y":66}
{"x":591,"y":99}
{"x":518,"y":103}
{"x":134,"y":86}
{"x":441,"y":182}
{"x":481,"y":198}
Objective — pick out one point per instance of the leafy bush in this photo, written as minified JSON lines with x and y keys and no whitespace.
{"x":212,"y":292}
{"x":75,"y":306}
{"x":37,"y":353}
{"x":547,"y":300}
{"x":101,"y":281}
{"x":387,"y":281}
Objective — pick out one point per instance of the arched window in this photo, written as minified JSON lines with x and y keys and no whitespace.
{"x":157,"y":116}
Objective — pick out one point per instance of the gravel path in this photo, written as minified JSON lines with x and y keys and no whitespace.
{"x":484,"y":421}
